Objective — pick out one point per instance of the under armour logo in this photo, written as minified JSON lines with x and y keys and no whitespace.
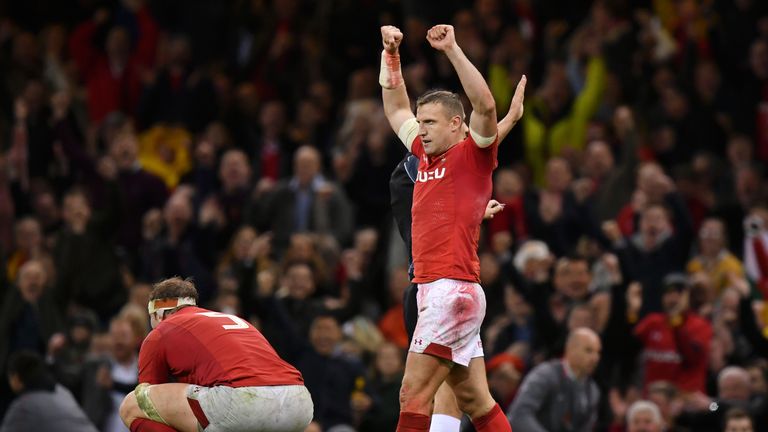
{"x":418,"y":342}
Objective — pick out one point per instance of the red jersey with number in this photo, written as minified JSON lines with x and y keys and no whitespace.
{"x":449,"y":200}
{"x":198,"y":346}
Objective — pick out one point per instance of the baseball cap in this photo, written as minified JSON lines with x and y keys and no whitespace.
{"x":675,"y":282}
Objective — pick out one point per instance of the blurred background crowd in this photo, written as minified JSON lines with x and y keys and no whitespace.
{"x":242,"y":144}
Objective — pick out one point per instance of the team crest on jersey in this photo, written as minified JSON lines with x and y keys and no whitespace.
{"x":436,"y":174}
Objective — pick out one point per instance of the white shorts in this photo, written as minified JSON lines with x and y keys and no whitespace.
{"x":450,"y":315}
{"x":266,"y":408}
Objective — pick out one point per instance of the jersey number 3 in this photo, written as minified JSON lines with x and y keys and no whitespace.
{"x":239,"y":323}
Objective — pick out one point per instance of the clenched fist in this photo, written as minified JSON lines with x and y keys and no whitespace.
{"x":441,"y":37}
{"x":391,"y":37}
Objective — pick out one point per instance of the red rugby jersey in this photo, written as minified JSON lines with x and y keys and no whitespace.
{"x":676,"y":354}
{"x":449,"y":200}
{"x":198,"y":346}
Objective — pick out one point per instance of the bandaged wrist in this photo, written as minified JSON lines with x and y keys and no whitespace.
{"x":390,"y":75}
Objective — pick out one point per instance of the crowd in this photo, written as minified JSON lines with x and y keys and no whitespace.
{"x":243,"y":145}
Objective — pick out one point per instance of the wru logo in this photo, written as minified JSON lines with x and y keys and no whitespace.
{"x":438,"y":173}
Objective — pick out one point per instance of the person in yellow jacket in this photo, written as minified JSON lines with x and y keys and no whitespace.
{"x":165,"y":151}
{"x":713,"y":258}
{"x":551,"y":122}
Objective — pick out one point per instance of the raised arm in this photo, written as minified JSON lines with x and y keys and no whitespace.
{"x":397,"y":107}
{"x":515,"y":112}
{"x":482,"y":121}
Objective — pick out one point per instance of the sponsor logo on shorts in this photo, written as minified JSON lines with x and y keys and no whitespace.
{"x":419,"y":342}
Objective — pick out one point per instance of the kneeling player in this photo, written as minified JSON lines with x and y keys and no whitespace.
{"x":200,"y":369}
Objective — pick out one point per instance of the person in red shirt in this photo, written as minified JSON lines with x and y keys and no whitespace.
{"x":200,"y":369}
{"x":453,"y":184}
{"x":676,"y":342}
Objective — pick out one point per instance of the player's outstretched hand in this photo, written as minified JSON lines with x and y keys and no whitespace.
{"x":391,"y":37}
{"x":441,"y":37}
{"x":516,"y":106}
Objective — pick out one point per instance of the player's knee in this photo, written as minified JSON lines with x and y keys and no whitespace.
{"x":414,"y":399}
{"x":472,"y":401}
{"x":129,"y":409}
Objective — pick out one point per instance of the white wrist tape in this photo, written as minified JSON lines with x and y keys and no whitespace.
{"x":390,"y":75}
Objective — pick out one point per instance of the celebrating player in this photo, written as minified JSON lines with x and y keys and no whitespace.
{"x":200,"y":369}
{"x":445,"y":415}
{"x":453,"y":184}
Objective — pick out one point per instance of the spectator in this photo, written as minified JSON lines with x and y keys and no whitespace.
{"x":306,"y":202}
{"x":115,"y":74}
{"x":86,"y":265}
{"x":714,"y":258}
{"x":505,"y":372}
{"x":385,"y":389}
{"x":657,"y":249}
{"x":178,"y":93}
{"x":676,"y":342}
{"x":644,"y":416}
{"x":330,"y":377}
{"x":42,"y":404}
{"x":557,"y":119}
{"x":611,"y":182}
{"x":733,"y":389}
{"x":737,"y":420}
{"x":560,"y":394}
{"x":29,"y":246}
{"x":182,"y":248}
{"x":140,"y":191}
{"x":552,"y":212}
{"x":223,"y":210}
{"x":109,"y":379}
{"x":272,"y":150}
{"x":68,"y":352}
{"x":29,"y":317}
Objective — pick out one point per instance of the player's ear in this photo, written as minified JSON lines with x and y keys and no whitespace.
{"x":456,"y":123}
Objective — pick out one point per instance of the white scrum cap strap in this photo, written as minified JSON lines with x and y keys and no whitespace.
{"x":169,"y":303}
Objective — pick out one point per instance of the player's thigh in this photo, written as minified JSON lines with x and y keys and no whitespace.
{"x":423,"y":374}
{"x":470,"y":386}
{"x":171,"y":403}
{"x":445,"y":402}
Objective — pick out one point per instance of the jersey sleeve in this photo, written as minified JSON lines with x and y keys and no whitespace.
{"x":481,"y":160}
{"x":642,"y":328}
{"x":417,"y":148}
{"x":153,"y":366}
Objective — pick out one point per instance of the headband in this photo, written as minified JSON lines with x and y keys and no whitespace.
{"x":169,"y":303}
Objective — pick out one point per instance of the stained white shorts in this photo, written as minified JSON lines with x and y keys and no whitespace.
{"x":450,"y":315}
{"x":242,"y":409}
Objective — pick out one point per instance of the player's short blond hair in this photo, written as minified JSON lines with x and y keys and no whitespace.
{"x":174,"y":287}
{"x":449,"y":100}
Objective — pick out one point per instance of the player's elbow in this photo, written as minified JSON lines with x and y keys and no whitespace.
{"x":485,"y":105}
